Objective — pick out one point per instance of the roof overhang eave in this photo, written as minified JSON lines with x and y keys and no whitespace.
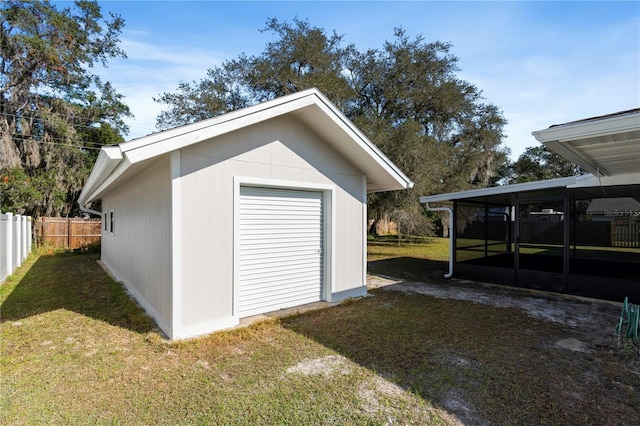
{"x":563,"y":138}
{"x":161,"y":143}
{"x":382,"y":174}
{"x":108,"y":159}
{"x":588,"y":129}
{"x":310,"y":106}
{"x":395,"y":184}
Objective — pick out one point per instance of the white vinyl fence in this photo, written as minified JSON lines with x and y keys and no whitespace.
{"x":15,"y":242}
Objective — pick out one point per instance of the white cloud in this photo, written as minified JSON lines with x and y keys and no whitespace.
{"x":138,"y":50}
{"x":150,"y":70}
{"x":541,"y":64}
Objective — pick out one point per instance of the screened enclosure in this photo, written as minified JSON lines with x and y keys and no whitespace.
{"x":578,"y":234}
{"x":582,"y":241}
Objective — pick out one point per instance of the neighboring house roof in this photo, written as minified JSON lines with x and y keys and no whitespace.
{"x":604,"y":146}
{"x":118,"y":162}
{"x":622,"y":204}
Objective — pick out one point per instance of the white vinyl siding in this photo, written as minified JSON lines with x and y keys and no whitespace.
{"x":280,"y":153}
{"x":280,"y":249}
{"x":139,"y":251}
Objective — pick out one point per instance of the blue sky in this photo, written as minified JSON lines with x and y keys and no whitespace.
{"x":541,"y":63}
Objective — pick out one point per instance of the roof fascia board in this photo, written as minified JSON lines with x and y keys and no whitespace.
{"x":572,"y":182}
{"x":101,"y":187}
{"x":363,"y":142}
{"x":108,"y":159}
{"x":188,"y":135}
{"x":580,"y":130}
{"x":497,"y":190}
{"x":212,"y":122}
{"x":590,"y":180}
{"x":139,"y":150}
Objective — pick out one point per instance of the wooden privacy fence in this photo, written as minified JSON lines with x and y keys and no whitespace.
{"x":66,"y":232}
{"x":625,"y":233}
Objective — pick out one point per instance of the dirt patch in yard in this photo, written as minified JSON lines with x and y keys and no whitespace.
{"x":327,"y":366}
{"x":588,"y":365}
{"x":594,"y":320}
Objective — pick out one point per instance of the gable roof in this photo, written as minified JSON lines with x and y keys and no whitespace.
{"x":607,"y":145}
{"x":622,"y":204}
{"x":309,"y":106}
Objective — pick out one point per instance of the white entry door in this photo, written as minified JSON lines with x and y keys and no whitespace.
{"x":280,"y":249}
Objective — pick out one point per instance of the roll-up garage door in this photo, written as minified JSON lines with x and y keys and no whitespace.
{"x":279,"y":249}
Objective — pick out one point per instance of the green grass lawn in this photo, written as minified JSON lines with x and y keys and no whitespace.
{"x":417,"y":258}
{"x":76,"y":350}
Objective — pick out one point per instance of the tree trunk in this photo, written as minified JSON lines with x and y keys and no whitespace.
{"x":9,"y":154}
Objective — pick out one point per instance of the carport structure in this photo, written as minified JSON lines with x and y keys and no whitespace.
{"x":543,"y":234}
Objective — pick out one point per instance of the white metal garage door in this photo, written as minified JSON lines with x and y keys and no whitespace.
{"x":280,"y":243}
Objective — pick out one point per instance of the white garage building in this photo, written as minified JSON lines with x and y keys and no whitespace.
{"x":253,"y":211}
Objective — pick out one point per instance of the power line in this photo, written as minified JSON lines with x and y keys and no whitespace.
{"x":67,"y":145}
{"x":46,"y":120}
{"x":148,"y":130}
{"x":64,"y":141}
{"x":78,"y":142}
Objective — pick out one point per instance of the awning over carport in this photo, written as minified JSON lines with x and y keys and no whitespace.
{"x":604,"y":146}
{"x":608,"y":147}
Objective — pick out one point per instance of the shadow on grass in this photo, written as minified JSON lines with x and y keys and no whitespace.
{"x":413,"y":341}
{"x":486,"y":365}
{"x":409,"y":268}
{"x":74,"y":282}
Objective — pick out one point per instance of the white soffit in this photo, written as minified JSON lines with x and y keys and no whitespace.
{"x":310,"y":106}
{"x":108,"y":159}
{"x":604,"y":146}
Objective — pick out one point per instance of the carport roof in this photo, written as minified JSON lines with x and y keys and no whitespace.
{"x":119,"y":162}
{"x":500,"y":194}
{"x":505,"y":195}
{"x":607,"y":145}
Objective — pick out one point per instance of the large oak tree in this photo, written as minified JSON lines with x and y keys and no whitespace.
{"x":406,"y":97}
{"x":54,"y":111}
{"x":540,"y":163}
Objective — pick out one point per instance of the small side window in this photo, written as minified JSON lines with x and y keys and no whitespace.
{"x":111,"y":221}
{"x":105,"y":222}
